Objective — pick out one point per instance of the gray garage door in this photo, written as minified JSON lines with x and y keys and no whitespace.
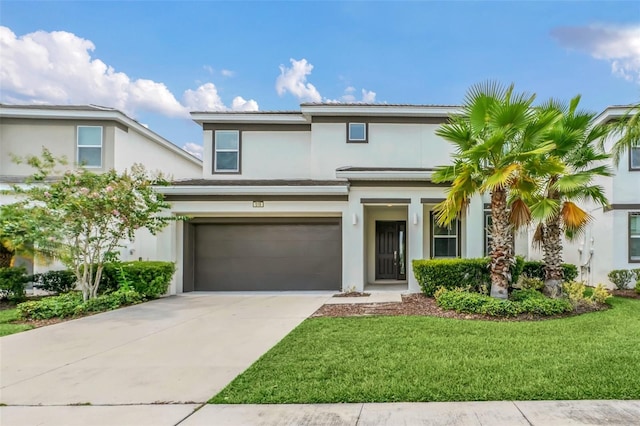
{"x":297,"y":255}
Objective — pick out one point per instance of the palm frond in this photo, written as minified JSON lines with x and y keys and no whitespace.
{"x":574,"y":218}
{"x":520,"y":215}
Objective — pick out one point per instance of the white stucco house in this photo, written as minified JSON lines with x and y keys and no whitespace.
{"x":331,"y":197}
{"x":99,"y":138}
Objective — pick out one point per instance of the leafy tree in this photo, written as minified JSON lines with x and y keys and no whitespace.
{"x":88,"y":215}
{"x":498,"y":140}
{"x":555,"y":207}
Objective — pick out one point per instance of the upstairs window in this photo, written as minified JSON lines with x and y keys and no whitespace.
{"x":634,"y":158}
{"x":634,"y":237}
{"x":445,"y":241}
{"x":226,"y":156}
{"x":89,"y":145}
{"x":357,"y":132}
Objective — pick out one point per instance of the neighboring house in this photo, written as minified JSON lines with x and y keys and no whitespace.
{"x":331,"y":197}
{"x":612,"y":239}
{"x":99,"y":138}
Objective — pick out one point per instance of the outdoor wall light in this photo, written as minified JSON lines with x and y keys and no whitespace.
{"x":415,"y":218}
{"x":354,"y":219}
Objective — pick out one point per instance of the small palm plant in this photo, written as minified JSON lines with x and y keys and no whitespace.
{"x":555,"y":206}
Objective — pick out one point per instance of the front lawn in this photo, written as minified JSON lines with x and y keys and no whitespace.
{"x":396,"y":358}
{"x":6,"y":317}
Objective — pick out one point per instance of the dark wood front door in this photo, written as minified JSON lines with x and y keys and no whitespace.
{"x":391,"y":250}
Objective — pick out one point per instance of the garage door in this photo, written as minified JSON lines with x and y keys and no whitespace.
{"x":267,"y":256}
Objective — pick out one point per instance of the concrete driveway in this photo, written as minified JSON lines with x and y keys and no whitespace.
{"x":181,"y":349}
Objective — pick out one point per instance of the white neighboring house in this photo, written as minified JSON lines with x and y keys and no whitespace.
{"x":99,"y":138}
{"x":331,"y":197}
{"x":612,"y":239}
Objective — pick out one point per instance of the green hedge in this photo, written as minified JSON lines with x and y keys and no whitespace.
{"x":535,"y":269}
{"x":71,"y":304}
{"x":55,"y":281}
{"x":528,"y":301}
{"x":454,"y":273}
{"x":149,"y":278}
{"x":12,"y":283}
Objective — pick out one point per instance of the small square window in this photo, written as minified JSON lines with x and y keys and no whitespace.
{"x":634,"y":158}
{"x":89,"y":146}
{"x":357,"y":132}
{"x":226,"y":156}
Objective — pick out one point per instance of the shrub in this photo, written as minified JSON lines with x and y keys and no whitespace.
{"x":575,"y":291}
{"x":151,"y":279}
{"x":535,"y":269}
{"x":531,"y":283}
{"x":520,"y":295}
{"x":12,"y":283}
{"x":452,"y":273}
{"x":62,"y":306}
{"x":638,"y":287}
{"x":109,"y":302}
{"x":600,"y":294}
{"x":55,"y":281}
{"x":527,"y":301}
{"x":621,"y":278}
{"x":636,"y":274}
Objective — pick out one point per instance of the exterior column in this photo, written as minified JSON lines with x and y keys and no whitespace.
{"x":353,"y":243}
{"x":473,"y":229}
{"x":415,"y":240}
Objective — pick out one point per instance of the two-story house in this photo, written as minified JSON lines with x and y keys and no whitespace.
{"x":331,"y":197}
{"x":96,"y":137}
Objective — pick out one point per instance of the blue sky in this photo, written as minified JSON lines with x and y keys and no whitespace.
{"x":158,"y":60}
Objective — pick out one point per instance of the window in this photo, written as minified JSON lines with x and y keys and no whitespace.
{"x":634,"y":158}
{"x":444,"y":240}
{"x":634,"y":237}
{"x":226,"y":156}
{"x":488,"y":223}
{"x":90,"y":146}
{"x":357,"y":132}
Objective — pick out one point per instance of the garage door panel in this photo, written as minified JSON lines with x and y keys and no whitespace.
{"x":268,"y":256}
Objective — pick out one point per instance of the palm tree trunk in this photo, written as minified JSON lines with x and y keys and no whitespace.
{"x":552,"y":252}
{"x":501,"y":256}
{"x":6,"y":256}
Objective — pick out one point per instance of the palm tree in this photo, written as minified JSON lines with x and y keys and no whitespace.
{"x":627,"y":128}
{"x":575,"y":137}
{"x":498,"y":138}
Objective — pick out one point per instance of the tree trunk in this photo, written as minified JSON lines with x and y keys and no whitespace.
{"x":501,"y":255}
{"x":6,"y":256}
{"x":552,"y":252}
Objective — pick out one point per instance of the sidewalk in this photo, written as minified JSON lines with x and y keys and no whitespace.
{"x":493,"y":413}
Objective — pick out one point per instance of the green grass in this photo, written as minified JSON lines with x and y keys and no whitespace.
{"x":384,"y":359}
{"x":8,"y":315}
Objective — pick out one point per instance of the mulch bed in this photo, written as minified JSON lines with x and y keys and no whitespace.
{"x":630,"y":293}
{"x":352,"y":294}
{"x":419,"y":304}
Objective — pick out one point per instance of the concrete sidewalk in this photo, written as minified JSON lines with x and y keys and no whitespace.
{"x":498,"y":413}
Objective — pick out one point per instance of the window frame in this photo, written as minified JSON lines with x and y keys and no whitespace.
{"x":78,"y":146}
{"x":433,"y":237}
{"x":632,"y":259}
{"x":215,"y":150}
{"x":633,"y":168}
{"x":366,"y":132}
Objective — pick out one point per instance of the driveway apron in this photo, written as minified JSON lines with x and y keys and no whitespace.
{"x":180,"y":349}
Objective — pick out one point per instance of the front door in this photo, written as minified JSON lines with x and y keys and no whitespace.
{"x":390,"y":250}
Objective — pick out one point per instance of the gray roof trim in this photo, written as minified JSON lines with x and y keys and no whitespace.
{"x":259,"y":182}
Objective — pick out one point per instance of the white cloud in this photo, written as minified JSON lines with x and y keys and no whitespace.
{"x":208,"y":68}
{"x":368,"y":96}
{"x":58,"y":68}
{"x":294,"y":81}
{"x":240,"y":104}
{"x":619,"y":45}
{"x":227,"y":73}
{"x":194,"y":149}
